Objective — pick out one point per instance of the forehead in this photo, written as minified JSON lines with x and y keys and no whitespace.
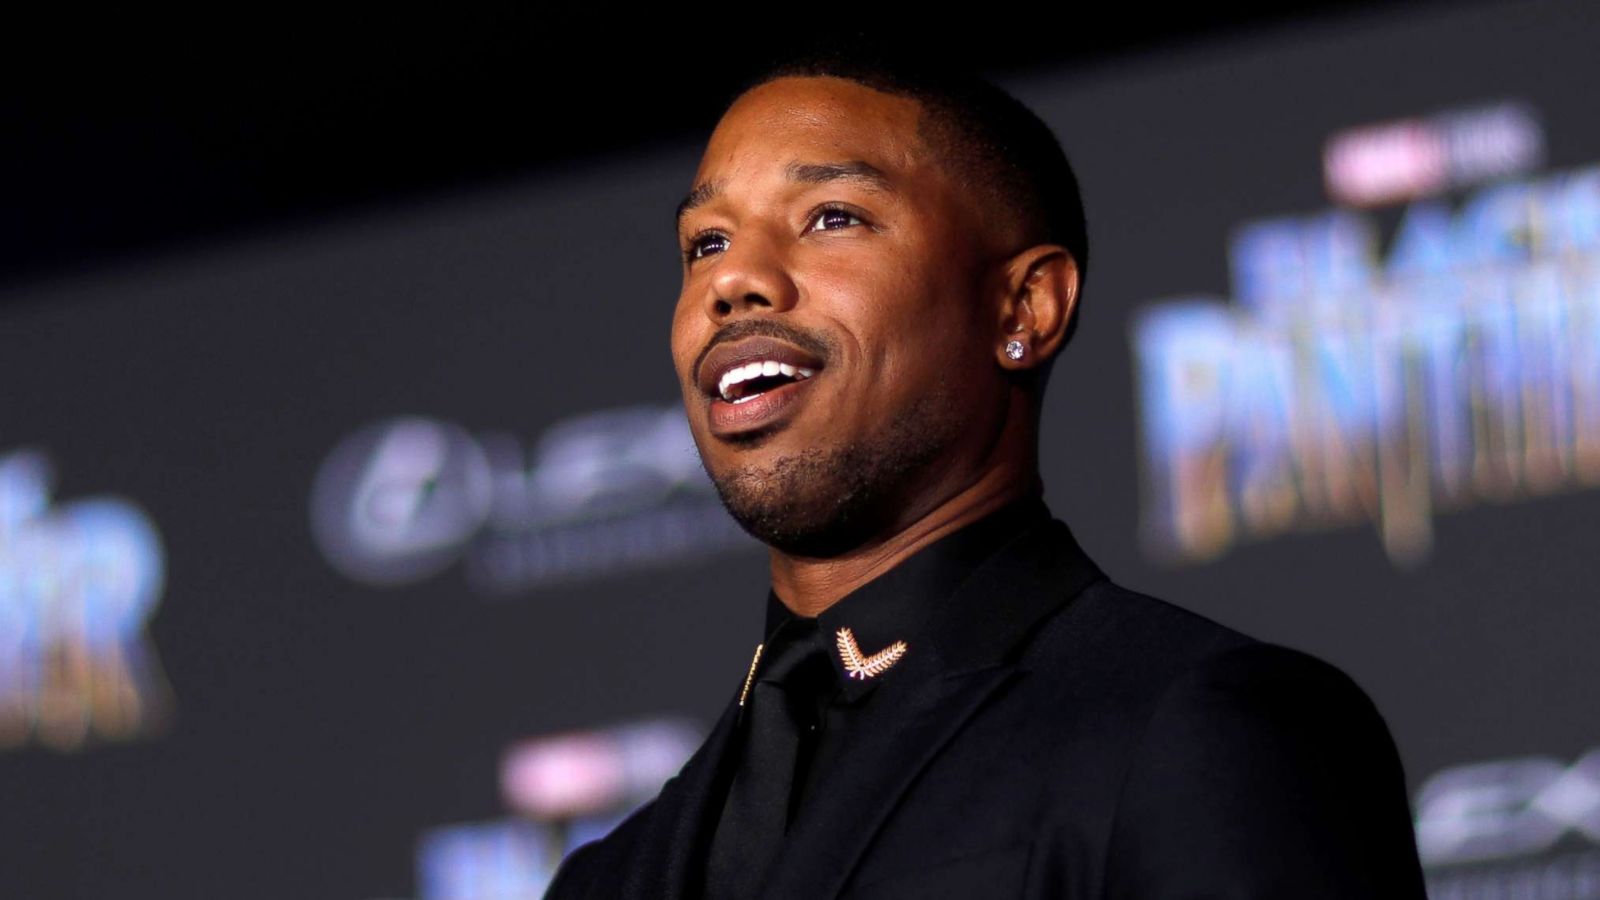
{"x":816,"y":118}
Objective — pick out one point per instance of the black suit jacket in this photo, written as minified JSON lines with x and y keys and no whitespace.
{"x":1068,"y":738}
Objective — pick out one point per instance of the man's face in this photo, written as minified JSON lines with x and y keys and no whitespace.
{"x":839,"y":260}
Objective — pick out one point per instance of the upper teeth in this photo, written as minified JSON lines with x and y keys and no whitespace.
{"x":755,"y":369}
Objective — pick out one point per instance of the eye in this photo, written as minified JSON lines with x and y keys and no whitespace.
{"x":836,"y":214}
{"x":832,"y":218}
{"x":691,"y":251}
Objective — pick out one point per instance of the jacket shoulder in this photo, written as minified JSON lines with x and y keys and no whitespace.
{"x":1138,"y":638}
{"x":1260,"y":766}
{"x":1160,"y":650}
{"x":1144,"y":653}
{"x":1216,"y":750}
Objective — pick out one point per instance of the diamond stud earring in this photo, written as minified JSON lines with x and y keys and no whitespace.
{"x":1014,"y":349}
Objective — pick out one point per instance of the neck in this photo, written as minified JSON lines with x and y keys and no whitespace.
{"x":809,"y":585}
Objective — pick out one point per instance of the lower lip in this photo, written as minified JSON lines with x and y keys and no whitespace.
{"x":728,"y":419}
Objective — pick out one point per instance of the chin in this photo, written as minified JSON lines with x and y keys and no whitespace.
{"x":808,"y":497}
{"x":819,"y":502}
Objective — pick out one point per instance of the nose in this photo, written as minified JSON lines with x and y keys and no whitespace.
{"x":750,"y":276}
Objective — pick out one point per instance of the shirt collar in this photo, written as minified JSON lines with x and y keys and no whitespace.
{"x":907,"y":603}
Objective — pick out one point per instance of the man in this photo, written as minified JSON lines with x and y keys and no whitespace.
{"x":951,"y":699}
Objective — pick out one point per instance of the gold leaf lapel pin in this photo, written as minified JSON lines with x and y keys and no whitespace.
{"x":864,"y":667}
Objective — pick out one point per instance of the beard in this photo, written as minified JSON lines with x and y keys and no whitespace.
{"x":825,"y":501}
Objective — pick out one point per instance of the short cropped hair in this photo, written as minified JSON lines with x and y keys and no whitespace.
{"x":988,"y":137}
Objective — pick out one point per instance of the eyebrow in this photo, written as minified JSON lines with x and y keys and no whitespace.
{"x":864,"y":173}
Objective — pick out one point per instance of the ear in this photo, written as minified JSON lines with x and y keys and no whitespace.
{"x":1041,"y":294}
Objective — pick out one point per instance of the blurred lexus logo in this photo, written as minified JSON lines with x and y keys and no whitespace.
{"x":1505,"y":808}
{"x":602,"y":492}
{"x":394,"y":502}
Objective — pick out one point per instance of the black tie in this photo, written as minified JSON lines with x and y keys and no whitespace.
{"x":793,"y":668}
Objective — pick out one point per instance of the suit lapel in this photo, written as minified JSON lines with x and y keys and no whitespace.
{"x":904,"y":728}
{"x":894,"y":742}
{"x":913,"y":717}
{"x":680,"y":824}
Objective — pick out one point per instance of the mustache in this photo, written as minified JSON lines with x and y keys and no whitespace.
{"x":817,"y":345}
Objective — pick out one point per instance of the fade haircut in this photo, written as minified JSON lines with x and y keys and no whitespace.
{"x":988,"y":138}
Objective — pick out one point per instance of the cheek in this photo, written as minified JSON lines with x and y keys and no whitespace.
{"x":904,"y":316}
{"x":912,"y":322}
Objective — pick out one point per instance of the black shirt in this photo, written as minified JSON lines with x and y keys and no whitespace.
{"x":909,"y":603}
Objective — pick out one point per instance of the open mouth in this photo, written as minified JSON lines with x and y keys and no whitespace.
{"x":749,"y":402}
{"x":755,"y":385}
{"x":742,"y":384}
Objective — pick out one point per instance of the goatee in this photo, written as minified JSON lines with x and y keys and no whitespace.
{"x":823,"y":502}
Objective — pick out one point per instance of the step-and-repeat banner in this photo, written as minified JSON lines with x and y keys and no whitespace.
{"x":374,"y":559}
